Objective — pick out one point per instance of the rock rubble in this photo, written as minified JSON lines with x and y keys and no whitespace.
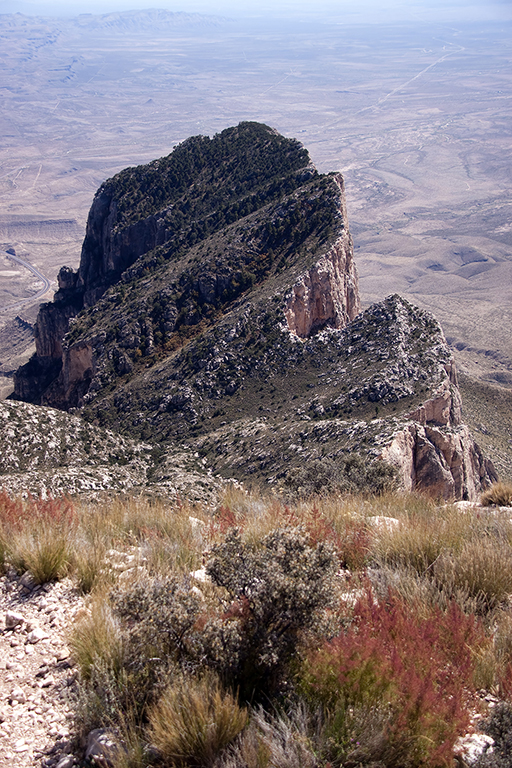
{"x":36,"y":673}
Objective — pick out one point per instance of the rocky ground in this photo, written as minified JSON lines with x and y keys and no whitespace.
{"x":37,"y":676}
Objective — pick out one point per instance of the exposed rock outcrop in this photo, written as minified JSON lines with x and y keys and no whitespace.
{"x":444,"y":463}
{"x":327,"y":295}
{"x":436,"y":453}
{"x":444,"y":408}
{"x":215,"y":217}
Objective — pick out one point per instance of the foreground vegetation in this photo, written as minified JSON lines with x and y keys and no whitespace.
{"x":338,"y":631}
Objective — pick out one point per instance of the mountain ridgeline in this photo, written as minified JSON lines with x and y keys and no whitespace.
{"x":216,"y":308}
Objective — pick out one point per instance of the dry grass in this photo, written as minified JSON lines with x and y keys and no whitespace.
{"x":37,"y":536}
{"x":194,"y":721}
{"x":96,"y":637}
{"x":499,"y":495}
{"x":430,"y":558}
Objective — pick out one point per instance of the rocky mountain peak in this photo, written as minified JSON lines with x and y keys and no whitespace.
{"x":216,"y":308}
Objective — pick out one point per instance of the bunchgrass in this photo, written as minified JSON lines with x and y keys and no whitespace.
{"x":499,"y":495}
{"x":96,"y":638}
{"x":194,"y":721}
{"x":38,"y":536}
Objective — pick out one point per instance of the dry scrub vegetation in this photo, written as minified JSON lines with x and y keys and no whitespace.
{"x":337,"y":631}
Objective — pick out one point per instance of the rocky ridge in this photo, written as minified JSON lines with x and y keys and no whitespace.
{"x":215,"y":311}
{"x":47,"y":452}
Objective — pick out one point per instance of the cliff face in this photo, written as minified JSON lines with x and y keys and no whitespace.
{"x":436,"y":452}
{"x":216,"y":306}
{"x":328,"y":293}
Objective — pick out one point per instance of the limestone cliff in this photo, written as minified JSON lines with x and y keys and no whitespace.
{"x":176,"y":242}
{"x":327,"y":294}
{"x":436,"y":452}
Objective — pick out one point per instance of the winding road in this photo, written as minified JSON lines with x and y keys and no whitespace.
{"x":41,"y":292}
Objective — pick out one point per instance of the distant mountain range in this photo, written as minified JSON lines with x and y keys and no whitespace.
{"x":118,"y":21}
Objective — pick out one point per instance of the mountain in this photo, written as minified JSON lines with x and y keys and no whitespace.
{"x":216,"y":308}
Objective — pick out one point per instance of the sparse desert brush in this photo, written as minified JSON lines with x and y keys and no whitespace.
{"x":88,"y":563}
{"x":481,"y":569}
{"x":409,"y":667}
{"x":158,"y":618}
{"x":130,"y":518}
{"x":397,"y":679}
{"x":348,"y":475}
{"x":194,"y":720}
{"x":165,"y":535}
{"x":499,"y":495}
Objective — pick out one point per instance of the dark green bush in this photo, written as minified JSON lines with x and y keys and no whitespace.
{"x":353,"y":474}
{"x":277,"y":590}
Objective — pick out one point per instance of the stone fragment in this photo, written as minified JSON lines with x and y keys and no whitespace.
{"x":19,"y":695}
{"x":36,"y":635}
{"x":65,"y":762}
{"x":13,"y":619}
{"x":101,"y":747}
{"x":28,"y":581}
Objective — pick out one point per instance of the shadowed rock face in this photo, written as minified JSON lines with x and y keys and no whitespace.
{"x":217,"y":306}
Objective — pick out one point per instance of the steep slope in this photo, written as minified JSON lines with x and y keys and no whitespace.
{"x":216,"y":308}
{"x":46,"y":451}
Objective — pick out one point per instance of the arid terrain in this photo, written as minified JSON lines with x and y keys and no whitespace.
{"x":417,"y":117}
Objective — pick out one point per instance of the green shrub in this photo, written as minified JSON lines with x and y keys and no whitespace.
{"x":277,"y":590}
{"x":349,"y":475}
{"x":157,"y":619}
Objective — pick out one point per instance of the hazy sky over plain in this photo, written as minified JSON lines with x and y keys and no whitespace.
{"x":349,"y":10}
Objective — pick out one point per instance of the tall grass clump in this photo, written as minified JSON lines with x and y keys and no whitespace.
{"x":37,"y":535}
{"x":194,"y":721}
{"x":421,"y":536}
{"x":482,"y":570}
{"x":96,"y":637}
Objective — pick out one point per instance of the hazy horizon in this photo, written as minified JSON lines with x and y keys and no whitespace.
{"x":365,"y":11}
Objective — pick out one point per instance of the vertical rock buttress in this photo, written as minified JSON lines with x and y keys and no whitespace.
{"x":326,"y":295}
